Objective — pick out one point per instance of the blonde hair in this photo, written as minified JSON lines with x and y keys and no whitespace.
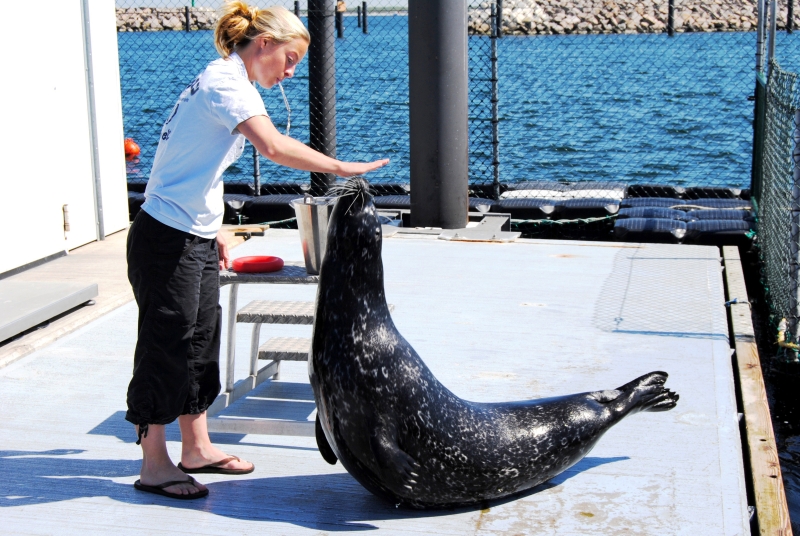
{"x":239,"y":24}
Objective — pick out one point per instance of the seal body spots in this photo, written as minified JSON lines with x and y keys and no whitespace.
{"x":403,"y":435}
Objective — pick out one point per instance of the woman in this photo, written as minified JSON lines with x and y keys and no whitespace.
{"x":175,"y":254}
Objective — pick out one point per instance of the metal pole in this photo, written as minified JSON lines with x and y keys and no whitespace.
{"x":297,"y":8}
{"x":790,"y":16}
{"x":794,"y":325}
{"x":671,"y":18}
{"x":760,"y":43}
{"x":358,"y":15}
{"x":231,"y":343}
{"x":438,"y":102}
{"x":322,"y":87}
{"x":364,"y":17}
{"x":496,"y":22}
{"x":187,"y":19}
{"x":499,"y":18}
{"x":773,"y":26}
{"x":256,"y":173}
{"x":89,"y":62}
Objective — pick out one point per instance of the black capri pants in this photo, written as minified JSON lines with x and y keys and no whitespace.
{"x":175,"y":280}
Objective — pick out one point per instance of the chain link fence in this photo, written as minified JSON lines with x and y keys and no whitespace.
{"x":779,"y":210}
{"x":575,"y":105}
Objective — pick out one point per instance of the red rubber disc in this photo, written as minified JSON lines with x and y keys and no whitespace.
{"x":257,"y":264}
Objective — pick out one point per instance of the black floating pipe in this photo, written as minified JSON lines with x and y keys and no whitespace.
{"x":339,"y":23}
{"x":790,"y":16}
{"x":322,"y":87}
{"x":364,"y":17}
{"x":438,"y":101}
{"x":358,"y":15}
{"x":297,"y":8}
{"x":188,"y":21}
{"x":671,"y":18}
{"x":499,"y":18}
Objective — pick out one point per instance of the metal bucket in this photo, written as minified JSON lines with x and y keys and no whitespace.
{"x":312,"y":222}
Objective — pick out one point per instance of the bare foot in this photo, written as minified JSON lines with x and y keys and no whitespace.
{"x":198,"y":457}
{"x":153,"y":476}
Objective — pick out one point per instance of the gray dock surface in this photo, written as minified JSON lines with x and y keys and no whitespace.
{"x":494,"y":322}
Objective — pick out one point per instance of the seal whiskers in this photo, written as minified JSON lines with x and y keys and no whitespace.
{"x":400,"y":432}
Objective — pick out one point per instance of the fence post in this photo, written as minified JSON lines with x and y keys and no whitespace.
{"x":358,"y":15}
{"x":188,"y":20}
{"x":790,"y":16}
{"x":760,"y":41}
{"x":495,"y":25}
{"x":438,"y":105}
{"x":297,"y":8}
{"x":499,"y":4}
{"x":773,"y":25}
{"x":364,"y":17}
{"x":794,"y":299}
{"x":671,"y":18}
{"x":759,"y":108}
{"x":322,"y":87}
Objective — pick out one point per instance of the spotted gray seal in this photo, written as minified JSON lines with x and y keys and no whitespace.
{"x":401,"y":433}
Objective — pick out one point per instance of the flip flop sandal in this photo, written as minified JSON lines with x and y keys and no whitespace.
{"x":159,"y":489}
{"x":217,"y":469}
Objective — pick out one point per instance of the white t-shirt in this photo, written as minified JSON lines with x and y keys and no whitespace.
{"x":198,"y":142}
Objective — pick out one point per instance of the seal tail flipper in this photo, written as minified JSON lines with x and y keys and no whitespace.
{"x":322,"y":444}
{"x":647,"y":393}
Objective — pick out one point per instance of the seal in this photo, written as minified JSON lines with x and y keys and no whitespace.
{"x":401,"y":433}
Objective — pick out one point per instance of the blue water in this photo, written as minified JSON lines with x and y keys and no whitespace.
{"x":633,"y":108}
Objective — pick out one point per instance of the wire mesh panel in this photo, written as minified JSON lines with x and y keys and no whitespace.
{"x":365,"y":110}
{"x":578,"y":104}
{"x":779,"y":213}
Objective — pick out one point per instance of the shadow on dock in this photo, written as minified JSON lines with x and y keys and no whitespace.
{"x":333,"y":502}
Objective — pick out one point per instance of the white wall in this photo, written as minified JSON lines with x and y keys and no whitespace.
{"x":46,"y":158}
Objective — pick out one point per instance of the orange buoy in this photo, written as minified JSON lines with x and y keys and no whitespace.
{"x":132,"y":149}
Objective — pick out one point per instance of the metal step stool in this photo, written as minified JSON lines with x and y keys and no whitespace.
{"x":279,"y":348}
{"x":273,"y":312}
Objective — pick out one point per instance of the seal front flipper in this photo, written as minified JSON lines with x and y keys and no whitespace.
{"x":396,"y":465}
{"x":322,"y":444}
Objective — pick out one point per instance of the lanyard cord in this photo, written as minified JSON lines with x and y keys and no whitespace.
{"x":288,"y":110}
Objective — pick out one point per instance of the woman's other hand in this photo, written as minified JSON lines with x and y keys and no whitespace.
{"x":224,"y":255}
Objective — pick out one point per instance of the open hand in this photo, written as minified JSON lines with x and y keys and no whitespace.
{"x":350,"y":169}
{"x":224,"y":255}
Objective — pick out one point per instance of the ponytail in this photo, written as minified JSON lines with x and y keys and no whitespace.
{"x":239,"y":24}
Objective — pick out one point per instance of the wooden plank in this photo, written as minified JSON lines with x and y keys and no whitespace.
{"x":770,"y":497}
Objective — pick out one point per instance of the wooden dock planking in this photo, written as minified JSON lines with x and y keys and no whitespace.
{"x":771,"y":508}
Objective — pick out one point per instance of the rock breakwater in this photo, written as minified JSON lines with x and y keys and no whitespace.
{"x":147,"y":19}
{"x":532,"y":17}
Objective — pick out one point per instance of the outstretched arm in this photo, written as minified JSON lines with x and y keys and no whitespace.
{"x":291,"y":153}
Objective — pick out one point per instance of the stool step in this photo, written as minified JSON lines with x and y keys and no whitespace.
{"x":279,"y":312}
{"x":285,"y":349}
